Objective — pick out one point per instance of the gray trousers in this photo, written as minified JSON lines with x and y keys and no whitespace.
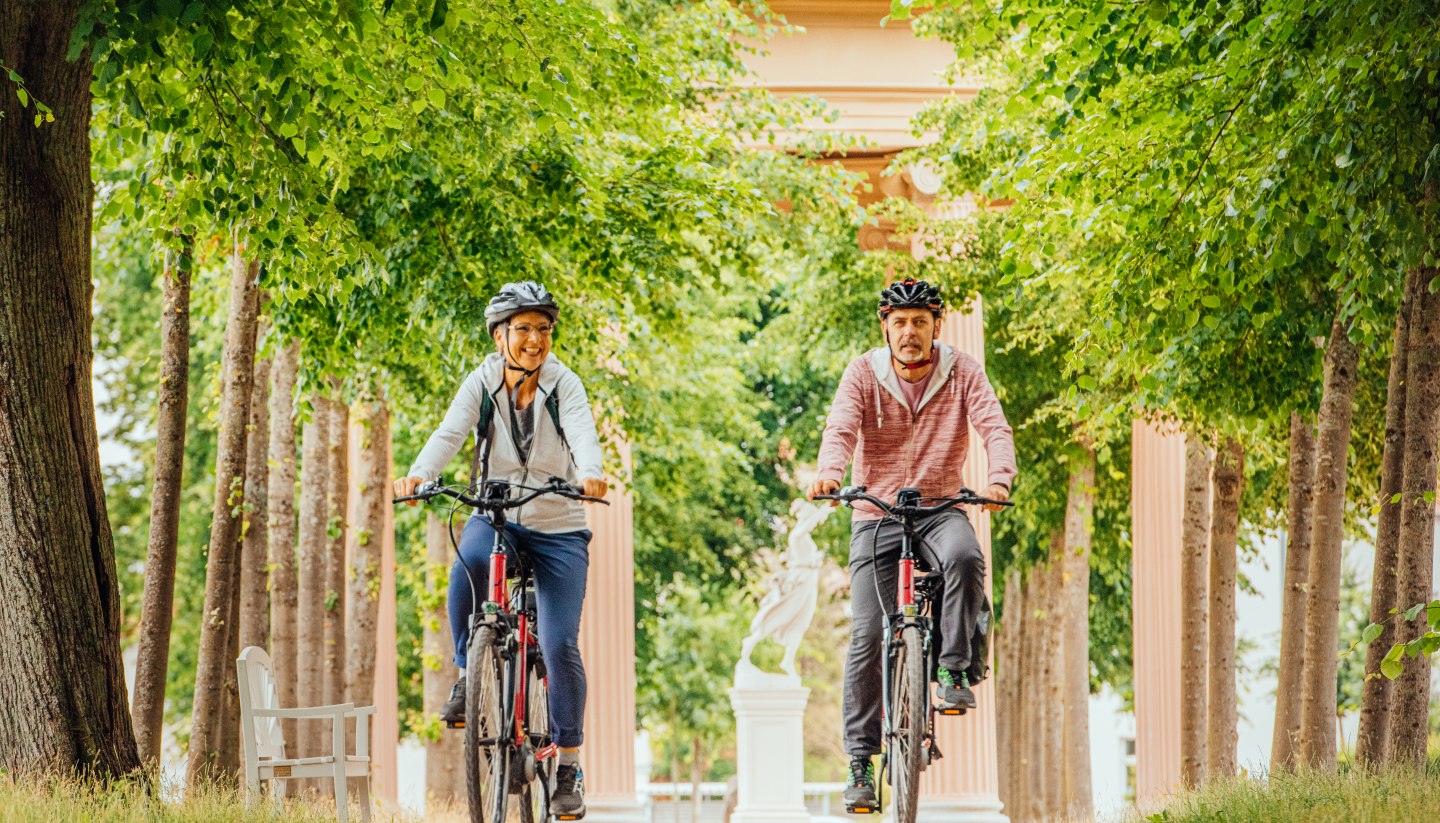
{"x":946,"y":542}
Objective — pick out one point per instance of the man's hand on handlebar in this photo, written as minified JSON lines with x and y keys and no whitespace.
{"x":996,"y":491}
{"x":824,"y":487}
{"x":406,"y":486}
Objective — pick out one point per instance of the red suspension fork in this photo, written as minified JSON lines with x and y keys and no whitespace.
{"x":497,"y":576}
{"x":907,"y":583}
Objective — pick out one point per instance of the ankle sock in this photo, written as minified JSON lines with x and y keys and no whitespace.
{"x":569,"y":758}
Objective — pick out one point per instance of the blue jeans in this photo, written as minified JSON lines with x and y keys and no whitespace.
{"x":560,"y":563}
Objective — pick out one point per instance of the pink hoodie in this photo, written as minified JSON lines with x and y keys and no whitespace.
{"x":894,"y":448}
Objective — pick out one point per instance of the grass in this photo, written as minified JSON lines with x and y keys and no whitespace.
{"x":23,"y":801}
{"x":1351,"y":796}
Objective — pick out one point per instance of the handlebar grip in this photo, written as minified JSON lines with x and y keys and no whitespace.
{"x":407,"y":499}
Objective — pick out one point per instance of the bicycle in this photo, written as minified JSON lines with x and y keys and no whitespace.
{"x":911,"y":654}
{"x":507,"y":707}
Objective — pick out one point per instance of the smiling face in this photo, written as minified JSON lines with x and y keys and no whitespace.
{"x":911,"y":334}
{"x":525,"y":339}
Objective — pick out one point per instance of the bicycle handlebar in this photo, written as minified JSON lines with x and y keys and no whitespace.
{"x":491,"y":499}
{"x":966,"y":497}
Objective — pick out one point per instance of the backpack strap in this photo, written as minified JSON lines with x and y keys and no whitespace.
{"x":480,"y":460}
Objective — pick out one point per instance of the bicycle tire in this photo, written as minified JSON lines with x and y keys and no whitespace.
{"x":487,"y":756}
{"x":535,"y":797}
{"x":908,"y":704}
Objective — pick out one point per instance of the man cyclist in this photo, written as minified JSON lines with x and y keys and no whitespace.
{"x":526,"y":446}
{"x":903,"y":413}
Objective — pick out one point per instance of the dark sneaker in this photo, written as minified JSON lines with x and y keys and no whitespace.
{"x":453,"y":712}
{"x":860,"y":789}
{"x":567,"y":802}
{"x":954,"y":691}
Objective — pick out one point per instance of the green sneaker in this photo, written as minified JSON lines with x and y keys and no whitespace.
{"x":954,"y":691}
{"x":860,"y":789}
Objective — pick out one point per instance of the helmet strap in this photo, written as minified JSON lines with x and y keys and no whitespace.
{"x":509,"y":366}
{"x":934,"y":355}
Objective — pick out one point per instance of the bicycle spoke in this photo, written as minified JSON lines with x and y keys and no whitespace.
{"x":484,"y":729}
{"x":908,"y":702}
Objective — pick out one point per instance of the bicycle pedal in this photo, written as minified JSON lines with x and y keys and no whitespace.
{"x":860,"y":809}
{"x":458,"y":724}
{"x":950,"y":711}
{"x":569,"y":816}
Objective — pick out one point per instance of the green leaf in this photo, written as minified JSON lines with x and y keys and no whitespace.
{"x":289,"y":129}
{"x":1087,"y":382}
{"x":437,"y":97}
{"x":1432,"y":613}
{"x":1414,"y":611}
{"x":1372,"y":631}
{"x":1210,"y":301}
{"x":438,"y":14}
{"x":24,"y":97}
{"x":1342,"y":159}
{"x":1390,"y":668}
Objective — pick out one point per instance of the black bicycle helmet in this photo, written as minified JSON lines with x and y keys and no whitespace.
{"x":910,"y":294}
{"x":513,"y":298}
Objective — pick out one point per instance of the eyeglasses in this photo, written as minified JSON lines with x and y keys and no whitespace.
{"x":526,"y":331}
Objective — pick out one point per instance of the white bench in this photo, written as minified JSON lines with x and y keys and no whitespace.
{"x":264,"y":742}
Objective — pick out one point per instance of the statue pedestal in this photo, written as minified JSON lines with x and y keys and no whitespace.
{"x":770,"y":746}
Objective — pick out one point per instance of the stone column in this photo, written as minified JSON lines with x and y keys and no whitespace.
{"x":1157,"y":504}
{"x":607,"y":643}
{"x":964,"y":786}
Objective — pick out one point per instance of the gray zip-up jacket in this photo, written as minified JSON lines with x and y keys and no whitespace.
{"x":548,"y":455}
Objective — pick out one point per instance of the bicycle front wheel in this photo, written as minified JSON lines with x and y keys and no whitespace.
{"x":908,"y":687}
{"x":487,"y":749}
{"x":535,"y":796}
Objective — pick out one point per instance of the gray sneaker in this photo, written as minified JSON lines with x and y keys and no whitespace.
{"x":567,"y":802}
{"x":860,"y":788}
{"x":954,"y":691}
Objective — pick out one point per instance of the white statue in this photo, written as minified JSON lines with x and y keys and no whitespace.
{"x":787,"y":608}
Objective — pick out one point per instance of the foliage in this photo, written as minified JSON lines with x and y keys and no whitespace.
{"x":1352,"y":794}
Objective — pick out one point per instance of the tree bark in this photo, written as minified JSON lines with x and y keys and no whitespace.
{"x":157,"y":612}
{"x":255,"y":556}
{"x":1033,"y":807}
{"x":1286,"y":738}
{"x":337,"y":501}
{"x":444,"y":780}
{"x":1221,"y":736}
{"x":1079,"y":510}
{"x":1195,"y":537}
{"x":227,"y":763}
{"x":62,"y":682}
{"x":221,"y":573}
{"x":1007,"y":708}
{"x":1372,"y":741}
{"x":310,"y":613}
{"x":1411,"y":695}
{"x":280,"y":505}
{"x":1322,"y":602}
{"x":1054,"y":719}
{"x":370,"y":497}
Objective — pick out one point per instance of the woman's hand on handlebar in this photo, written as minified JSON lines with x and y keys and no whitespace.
{"x":406,"y":486}
{"x":824,"y":487}
{"x":996,"y":491}
{"x":593,"y":487}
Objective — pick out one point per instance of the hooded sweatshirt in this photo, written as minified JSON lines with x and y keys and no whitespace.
{"x":548,"y":455}
{"x":894,"y":447}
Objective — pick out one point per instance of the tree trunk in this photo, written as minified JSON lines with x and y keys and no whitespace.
{"x":221,"y":574}
{"x":1079,"y":509}
{"x":1007,"y":706}
{"x":371,"y":497}
{"x":1322,"y":602}
{"x":1036,"y":597}
{"x":227,"y":763}
{"x":157,"y":614}
{"x":1372,"y":742}
{"x":310,"y":611}
{"x":444,"y":780}
{"x":1221,"y":736}
{"x":1055,"y":719}
{"x":62,"y":682}
{"x":1410,"y":700}
{"x":1023,"y":783}
{"x":337,"y":500}
{"x":1286,"y":737}
{"x":280,"y":505}
{"x":255,"y":556}
{"x":1195,"y":537}
{"x":696,"y":776}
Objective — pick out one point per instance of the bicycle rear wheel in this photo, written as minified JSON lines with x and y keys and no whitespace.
{"x":487,"y":745}
{"x":908,"y":704}
{"x":535,"y":796}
